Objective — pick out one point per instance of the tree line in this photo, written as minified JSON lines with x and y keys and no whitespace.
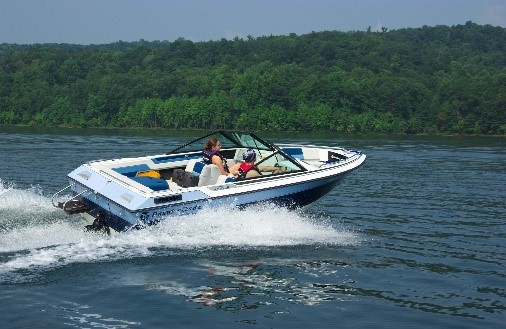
{"x":442,"y":79}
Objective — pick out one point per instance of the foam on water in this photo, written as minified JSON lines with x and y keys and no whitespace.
{"x":31,"y":199}
{"x":20,"y":208}
{"x":35,"y":236}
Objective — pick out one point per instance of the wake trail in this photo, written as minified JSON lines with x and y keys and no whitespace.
{"x":36,"y":236}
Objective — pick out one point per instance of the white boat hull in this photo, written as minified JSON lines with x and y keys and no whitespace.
{"x":106,"y":188}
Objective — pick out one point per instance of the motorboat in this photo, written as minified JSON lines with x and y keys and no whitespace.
{"x":126,"y":193}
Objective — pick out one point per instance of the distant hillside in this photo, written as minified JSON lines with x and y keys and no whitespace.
{"x":441,"y":79}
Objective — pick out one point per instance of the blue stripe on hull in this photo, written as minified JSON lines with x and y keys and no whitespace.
{"x":305,"y":197}
{"x":291,"y":200}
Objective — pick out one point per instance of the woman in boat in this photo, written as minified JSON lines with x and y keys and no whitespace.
{"x":211,"y":155}
{"x":247,"y":168}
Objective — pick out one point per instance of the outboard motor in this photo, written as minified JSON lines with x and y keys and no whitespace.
{"x":99,"y":225}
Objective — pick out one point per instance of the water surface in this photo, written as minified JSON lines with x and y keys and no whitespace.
{"x":414,"y":238}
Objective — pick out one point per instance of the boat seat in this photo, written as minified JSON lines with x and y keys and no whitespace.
{"x":305,"y":154}
{"x":156,"y":184}
{"x":195,"y":166}
{"x":131,"y":171}
{"x":295,"y":152}
{"x":222,"y":179}
{"x":209,"y":175}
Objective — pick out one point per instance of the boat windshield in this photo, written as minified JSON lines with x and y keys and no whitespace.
{"x":248,"y":140}
{"x":228,"y":140}
{"x":270,"y":159}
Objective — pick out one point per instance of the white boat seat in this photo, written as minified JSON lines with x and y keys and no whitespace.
{"x":209,"y":175}
{"x":222,"y":179}
{"x":195,"y":166}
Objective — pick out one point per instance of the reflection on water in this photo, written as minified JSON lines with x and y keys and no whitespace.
{"x":275,"y":283}
{"x":237,"y":287}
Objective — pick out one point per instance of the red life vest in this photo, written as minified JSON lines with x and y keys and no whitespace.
{"x":244,"y":168}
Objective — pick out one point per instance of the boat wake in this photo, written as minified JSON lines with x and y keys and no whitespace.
{"x":34,"y":236}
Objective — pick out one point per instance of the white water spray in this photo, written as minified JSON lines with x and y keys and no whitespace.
{"x":47,"y":238}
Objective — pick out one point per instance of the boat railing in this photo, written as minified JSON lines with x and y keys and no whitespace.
{"x":72,"y":205}
{"x":57,"y":193}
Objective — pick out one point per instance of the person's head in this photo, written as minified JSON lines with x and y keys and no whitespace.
{"x":249,"y":156}
{"x":212,"y":144}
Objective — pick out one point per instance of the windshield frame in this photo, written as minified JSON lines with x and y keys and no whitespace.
{"x":228,"y":139}
{"x":238,"y":140}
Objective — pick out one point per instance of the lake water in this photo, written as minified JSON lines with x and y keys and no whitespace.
{"x":415,"y":238}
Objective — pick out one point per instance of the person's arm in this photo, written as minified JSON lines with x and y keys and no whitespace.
{"x":234,"y":170}
{"x":217,"y":161}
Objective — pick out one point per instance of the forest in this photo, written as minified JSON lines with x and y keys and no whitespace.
{"x":428,"y":80}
